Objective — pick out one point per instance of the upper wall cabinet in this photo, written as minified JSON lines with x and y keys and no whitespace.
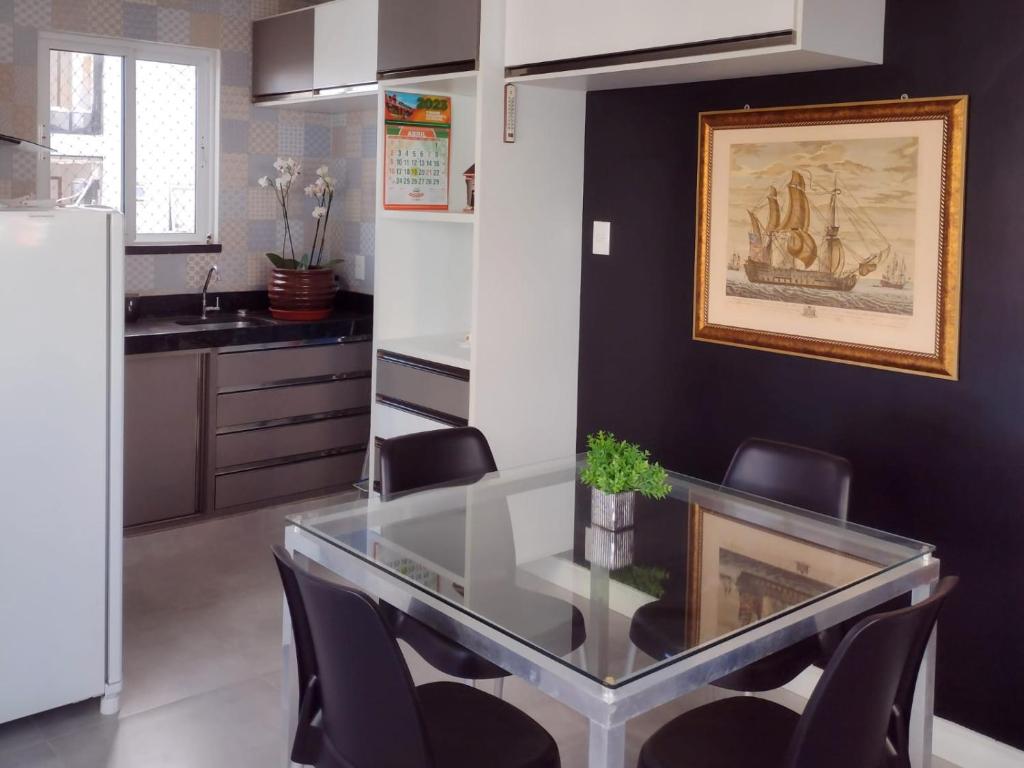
{"x":282,"y":54}
{"x":598,"y":44}
{"x":332,"y":45}
{"x":345,"y":48}
{"x":427,"y":36}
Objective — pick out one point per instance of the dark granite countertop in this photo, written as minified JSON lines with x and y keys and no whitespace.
{"x":160,"y":327}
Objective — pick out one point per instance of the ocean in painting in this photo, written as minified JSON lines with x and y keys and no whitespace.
{"x":866,"y":296}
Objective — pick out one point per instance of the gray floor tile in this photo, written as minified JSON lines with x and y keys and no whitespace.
{"x":19,"y":734}
{"x":38,"y":755}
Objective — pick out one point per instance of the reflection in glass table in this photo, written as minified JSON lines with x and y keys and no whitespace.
{"x":737,"y":577}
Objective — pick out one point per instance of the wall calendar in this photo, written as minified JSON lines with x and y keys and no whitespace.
{"x":417,"y":144}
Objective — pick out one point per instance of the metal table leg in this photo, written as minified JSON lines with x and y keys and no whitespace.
{"x":607,"y":746}
{"x":923,"y":708}
{"x":289,"y":675}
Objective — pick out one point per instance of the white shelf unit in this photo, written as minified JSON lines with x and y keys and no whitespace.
{"x":508,"y":273}
{"x":446,"y":349}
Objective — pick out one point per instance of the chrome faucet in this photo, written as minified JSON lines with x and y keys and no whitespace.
{"x":209,"y":276}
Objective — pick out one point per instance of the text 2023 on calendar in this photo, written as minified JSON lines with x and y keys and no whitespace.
{"x":417,"y":141}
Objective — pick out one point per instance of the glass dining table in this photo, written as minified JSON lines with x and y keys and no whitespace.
{"x":613,"y":623}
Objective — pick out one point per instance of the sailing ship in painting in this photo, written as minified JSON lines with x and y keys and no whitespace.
{"x":895,"y":275}
{"x":777,"y":246}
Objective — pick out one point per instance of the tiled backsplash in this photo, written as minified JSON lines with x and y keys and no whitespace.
{"x":252,"y":138}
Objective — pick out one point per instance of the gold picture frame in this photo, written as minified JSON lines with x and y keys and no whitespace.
{"x":869,"y":188}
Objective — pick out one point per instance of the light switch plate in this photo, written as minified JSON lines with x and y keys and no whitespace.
{"x":602,"y":238}
{"x":360,"y":269}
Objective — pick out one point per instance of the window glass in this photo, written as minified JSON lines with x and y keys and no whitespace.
{"x":86,"y":129}
{"x":165,"y":148}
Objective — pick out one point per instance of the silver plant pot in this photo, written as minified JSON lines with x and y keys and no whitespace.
{"x":609,"y":549}
{"x":612,"y":511}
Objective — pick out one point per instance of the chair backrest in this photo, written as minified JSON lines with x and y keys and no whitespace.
{"x":304,"y":653}
{"x":846,"y":720}
{"x":791,"y":474}
{"x":423,"y":459}
{"x":899,"y":725}
{"x":370,"y":714}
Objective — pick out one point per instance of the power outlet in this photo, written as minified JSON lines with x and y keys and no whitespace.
{"x":602,"y":240}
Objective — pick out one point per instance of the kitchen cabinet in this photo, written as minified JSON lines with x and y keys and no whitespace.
{"x":345,"y":43}
{"x":288,"y":420}
{"x":163,"y":420}
{"x":611,"y":44}
{"x":282,"y":53}
{"x":427,"y":36}
{"x":236,"y":427}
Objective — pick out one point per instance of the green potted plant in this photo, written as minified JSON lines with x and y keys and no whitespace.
{"x":616,"y":470}
{"x":301,"y":288}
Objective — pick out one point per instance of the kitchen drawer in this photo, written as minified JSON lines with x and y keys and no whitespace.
{"x":256,"y":485}
{"x":433,"y":391}
{"x":264,"y":366}
{"x":290,"y":440}
{"x":286,"y":402}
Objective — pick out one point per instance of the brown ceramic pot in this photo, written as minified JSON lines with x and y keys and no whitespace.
{"x":301,"y":294}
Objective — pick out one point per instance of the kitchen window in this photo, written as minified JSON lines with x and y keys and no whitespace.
{"x":132,"y":127}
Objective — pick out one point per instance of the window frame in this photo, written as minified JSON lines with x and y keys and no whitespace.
{"x":207,"y":64}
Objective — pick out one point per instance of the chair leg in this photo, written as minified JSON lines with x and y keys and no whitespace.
{"x":499,"y":686}
{"x":631,"y":659}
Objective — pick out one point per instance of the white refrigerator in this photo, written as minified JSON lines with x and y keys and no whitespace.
{"x":61,"y":451}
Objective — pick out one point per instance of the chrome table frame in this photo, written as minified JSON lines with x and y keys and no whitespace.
{"x":609,"y":709}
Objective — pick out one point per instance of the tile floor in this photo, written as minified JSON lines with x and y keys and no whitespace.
{"x":203,"y":666}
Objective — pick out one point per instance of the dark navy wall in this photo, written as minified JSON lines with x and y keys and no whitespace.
{"x":936,"y":460}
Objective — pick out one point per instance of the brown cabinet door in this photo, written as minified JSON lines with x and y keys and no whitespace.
{"x":427,"y":34}
{"x":282,"y":54}
{"x":162,"y":420}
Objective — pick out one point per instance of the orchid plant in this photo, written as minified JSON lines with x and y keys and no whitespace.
{"x":322,"y":192}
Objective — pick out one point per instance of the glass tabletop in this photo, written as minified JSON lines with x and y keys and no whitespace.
{"x":520,"y":551}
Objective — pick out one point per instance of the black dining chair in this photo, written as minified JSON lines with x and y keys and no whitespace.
{"x":462,"y":455}
{"x":791,"y":474}
{"x":847,"y":722}
{"x":373,"y":716}
{"x":306,"y":741}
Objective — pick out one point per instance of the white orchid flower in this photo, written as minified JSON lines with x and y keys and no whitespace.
{"x":322,"y":171}
{"x":263,"y":181}
{"x":310,"y":190}
{"x":279,"y":164}
{"x":319,"y":212}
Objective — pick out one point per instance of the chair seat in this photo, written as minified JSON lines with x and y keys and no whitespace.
{"x":468,"y":728}
{"x":739,"y":732}
{"x":442,"y":653}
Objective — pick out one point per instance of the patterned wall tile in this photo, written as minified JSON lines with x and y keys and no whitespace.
{"x":235,"y":68}
{"x":25,"y":84}
{"x":262,"y":235}
{"x":234,"y":135}
{"x":105,"y":17}
{"x":173,"y":25}
{"x":234,"y":170}
{"x":70,"y":14}
{"x":263,"y":137}
{"x":140,"y":21}
{"x":236,"y":33}
{"x":6,"y":43}
{"x":261,"y":205}
{"x":235,"y":102}
{"x":139,"y":273}
{"x":33,"y":13}
{"x":206,"y":30}
{"x":291,"y":134}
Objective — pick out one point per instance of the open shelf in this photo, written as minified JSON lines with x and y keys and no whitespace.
{"x":446,"y":349}
{"x":450,"y":84}
{"x":446,"y":217}
{"x":331,"y":101}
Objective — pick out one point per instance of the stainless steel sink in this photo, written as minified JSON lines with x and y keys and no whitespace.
{"x":225,"y":320}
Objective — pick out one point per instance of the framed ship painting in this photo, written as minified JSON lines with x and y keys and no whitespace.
{"x":834,"y":231}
